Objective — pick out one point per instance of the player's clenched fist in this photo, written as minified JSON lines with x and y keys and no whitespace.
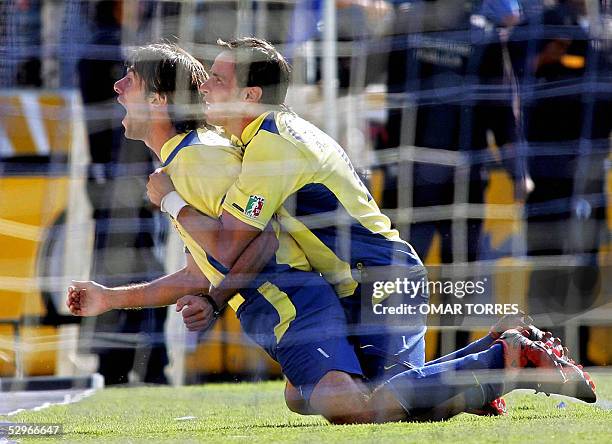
{"x":197,"y":312}
{"x":158,"y":186}
{"x":87,"y":298}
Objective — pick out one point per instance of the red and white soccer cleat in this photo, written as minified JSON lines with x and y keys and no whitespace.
{"x":563,"y":376}
{"x":523,"y":323}
{"x":520,"y":322}
{"x":497,"y":407}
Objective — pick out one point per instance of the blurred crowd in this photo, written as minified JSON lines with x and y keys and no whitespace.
{"x":522,"y":84}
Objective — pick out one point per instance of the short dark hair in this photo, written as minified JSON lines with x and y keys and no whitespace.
{"x":258,"y":63}
{"x":170,"y":71}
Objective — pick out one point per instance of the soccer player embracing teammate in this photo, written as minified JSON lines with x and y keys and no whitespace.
{"x":265,"y":232}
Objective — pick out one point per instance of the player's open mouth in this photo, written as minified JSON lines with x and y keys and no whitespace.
{"x":125,"y":115}
{"x":124,"y":107}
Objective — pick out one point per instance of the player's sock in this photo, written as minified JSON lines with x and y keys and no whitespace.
{"x":474,"y":347}
{"x":447,"y":388}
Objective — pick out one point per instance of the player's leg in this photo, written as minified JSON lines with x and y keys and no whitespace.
{"x":446,"y":381}
{"x":295,"y":401}
{"x":298,"y":320}
{"x":498,"y":405}
{"x":393,"y":348}
{"x":342,"y":398}
{"x":477,"y":346}
{"x":345,"y":399}
{"x":464,"y":384}
{"x":309,"y":341}
{"x":520,"y":320}
{"x":325,"y":376}
{"x":319,"y":360}
{"x":434,"y":392}
{"x":459,"y":385}
{"x":451,"y":387}
{"x":507,"y":322}
{"x":330,"y":398}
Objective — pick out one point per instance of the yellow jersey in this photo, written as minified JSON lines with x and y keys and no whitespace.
{"x":294,"y":172}
{"x":202,"y":166}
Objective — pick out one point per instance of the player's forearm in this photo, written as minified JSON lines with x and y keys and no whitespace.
{"x":225,"y":239}
{"x":250,"y":263}
{"x":158,"y":293}
{"x":203,"y":229}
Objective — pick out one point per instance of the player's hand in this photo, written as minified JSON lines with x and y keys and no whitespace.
{"x":158,"y":186}
{"x":87,"y":298}
{"x":197,"y":312}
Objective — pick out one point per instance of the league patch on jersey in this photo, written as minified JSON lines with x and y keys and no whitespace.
{"x":254,"y":206}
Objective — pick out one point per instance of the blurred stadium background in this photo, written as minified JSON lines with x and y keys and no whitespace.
{"x":446,"y":107}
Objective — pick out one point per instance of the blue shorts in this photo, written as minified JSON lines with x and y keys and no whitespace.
{"x":383,"y":347}
{"x":297,"y":319}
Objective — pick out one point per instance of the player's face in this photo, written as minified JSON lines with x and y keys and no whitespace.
{"x":221,"y":93}
{"x":131,"y":95}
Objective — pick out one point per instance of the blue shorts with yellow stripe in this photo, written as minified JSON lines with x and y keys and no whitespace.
{"x":297,"y":319}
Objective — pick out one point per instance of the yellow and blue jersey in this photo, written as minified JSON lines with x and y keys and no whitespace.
{"x":293,"y":171}
{"x":202,"y":166}
{"x":292,"y":313}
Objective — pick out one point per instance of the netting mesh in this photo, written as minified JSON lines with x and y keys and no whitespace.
{"x":482,"y":129}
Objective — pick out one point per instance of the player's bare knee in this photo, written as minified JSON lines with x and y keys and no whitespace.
{"x":380,"y":406}
{"x":386,"y":406}
{"x":295,"y":402}
{"x":341,"y":399}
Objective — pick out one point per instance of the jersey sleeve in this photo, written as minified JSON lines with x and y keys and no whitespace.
{"x":204,"y":180}
{"x":272,"y":170}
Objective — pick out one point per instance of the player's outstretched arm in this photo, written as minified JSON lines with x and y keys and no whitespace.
{"x":88,"y":298}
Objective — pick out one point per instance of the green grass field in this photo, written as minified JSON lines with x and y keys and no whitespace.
{"x":256,"y":413}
